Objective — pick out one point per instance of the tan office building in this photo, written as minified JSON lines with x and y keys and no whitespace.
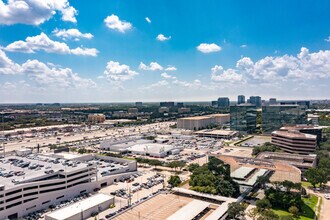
{"x":200,"y":122}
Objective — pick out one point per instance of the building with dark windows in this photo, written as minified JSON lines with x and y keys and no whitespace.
{"x":255,"y":100}
{"x":138,"y":104}
{"x":223,"y":102}
{"x":276,"y":116}
{"x":302,"y":103}
{"x":240,"y":99}
{"x":272,"y":101}
{"x":179,"y":105}
{"x":166,"y":104}
{"x":214,"y":103}
{"x":243,"y":118}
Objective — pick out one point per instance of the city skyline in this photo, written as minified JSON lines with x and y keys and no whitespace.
{"x":127,"y":51}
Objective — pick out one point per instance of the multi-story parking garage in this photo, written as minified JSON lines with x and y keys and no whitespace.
{"x":35,"y":182}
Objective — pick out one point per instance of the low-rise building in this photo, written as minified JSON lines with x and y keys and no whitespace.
{"x":200,"y":122}
{"x":164,"y":110}
{"x":96,"y":118}
{"x":224,"y":134}
{"x":183,"y":110}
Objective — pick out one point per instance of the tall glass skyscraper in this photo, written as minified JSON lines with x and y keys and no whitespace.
{"x":223,"y":102}
{"x":243,"y":118}
{"x":276,"y":116}
{"x":255,"y":100}
{"x":240,"y":99}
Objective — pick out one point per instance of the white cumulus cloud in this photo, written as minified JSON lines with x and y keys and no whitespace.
{"x":167,"y":76}
{"x":35,"y":12}
{"x":208,"y":48}
{"x":72,"y":33}
{"x":327,"y":39}
{"x":171,"y":68}
{"x":113,"y":22}
{"x":114,"y":71}
{"x":43,"y":43}
{"x":148,"y":20}
{"x":44,"y":74}
{"x":153,"y":66}
{"x":161,"y":37}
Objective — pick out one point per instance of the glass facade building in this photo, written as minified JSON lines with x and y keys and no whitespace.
{"x":240,"y":99}
{"x":243,"y":118}
{"x":223,"y":102}
{"x":276,"y":116}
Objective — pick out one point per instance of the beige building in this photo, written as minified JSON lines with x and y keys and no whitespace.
{"x":200,"y":122}
{"x":164,"y":109}
{"x":183,"y":110}
{"x":133,"y":110}
{"x":293,"y":141}
{"x":96,"y":118}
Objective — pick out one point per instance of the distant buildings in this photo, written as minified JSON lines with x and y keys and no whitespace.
{"x":214,"y":103}
{"x":223,"y":102}
{"x":201,"y":122}
{"x":303,"y":103}
{"x":243,"y":118}
{"x":164,"y":110}
{"x":183,"y":110}
{"x":96,"y":118}
{"x":272,"y":101}
{"x":240,"y":99}
{"x":313,"y":119}
{"x":255,"y":100}
{"x":276,"y":116}
{"x":166,"y":104}
{"x":133,"y":110}
{"x":179,"y":104}
{"x":138,"y":104}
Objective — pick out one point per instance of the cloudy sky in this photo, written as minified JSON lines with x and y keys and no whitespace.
{"x":127,"y":50}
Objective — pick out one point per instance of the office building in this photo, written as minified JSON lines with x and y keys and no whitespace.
{"x":240,"y":99}
{"x":293,"y":141}
{"x":179,"y":104}
{"x":255,"y":100}
{"x":276,"y":116}
{"x":96,"y":118}
{"x":313,"y":119}
{"x":272,"y":101}
{"x":166,"y":104}
{"x":223,"y":102}
{"x":219,"y":134}
{"x":138,"y":104}
{"x":303,"y":103}
{"x":200,"y":122}
{"x":214,"y":103}
{"x":243,"y":118}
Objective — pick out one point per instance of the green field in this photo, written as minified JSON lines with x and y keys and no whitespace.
{"x":308,"y":209}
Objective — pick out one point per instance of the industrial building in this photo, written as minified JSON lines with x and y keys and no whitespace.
{"x":34,"y":182}
{"x":83,"y":209}
{"x":154,"y":150}
{"x":219,"y":134}
{"x":200,"y":122}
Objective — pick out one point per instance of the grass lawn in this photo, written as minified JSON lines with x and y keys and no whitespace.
{"x":308,"y":209}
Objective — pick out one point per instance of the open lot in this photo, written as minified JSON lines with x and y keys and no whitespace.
{"x":255,"y":141}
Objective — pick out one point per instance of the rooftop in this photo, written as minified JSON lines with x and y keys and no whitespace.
{"x":76,"y":208}
{"x":190,"y":210}
{"x":217,"y":132}
{"x":151,"y":148}
{"x":295,"y":134}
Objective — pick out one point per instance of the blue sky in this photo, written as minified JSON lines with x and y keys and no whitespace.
{"x":107,"y":51}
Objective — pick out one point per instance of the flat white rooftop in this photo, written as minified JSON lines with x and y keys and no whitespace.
{"x":190,"y":210}
{"x":151,"y":148}
{"x":78,"y":207}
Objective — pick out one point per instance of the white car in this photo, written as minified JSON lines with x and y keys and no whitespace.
{"x":327,"y":196}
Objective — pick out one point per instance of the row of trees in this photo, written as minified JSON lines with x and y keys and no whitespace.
{"x":213,"y":177}
{"x":266,"y":147}
{"x":153,"y":162}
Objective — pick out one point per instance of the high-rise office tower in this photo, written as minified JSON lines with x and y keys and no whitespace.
{"x":255,"y":100}
{"x":223,"y":102}
{"x":240,"y":99}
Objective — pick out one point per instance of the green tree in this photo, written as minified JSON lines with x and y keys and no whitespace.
{"x":262,"y":180}
{"x":267,"y":215}
{"x":174,"y":181}
{"x":235,"y":210}
{"x":263,"y":204}
{"x":192,"y":167}
{"x":294,"y":211}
